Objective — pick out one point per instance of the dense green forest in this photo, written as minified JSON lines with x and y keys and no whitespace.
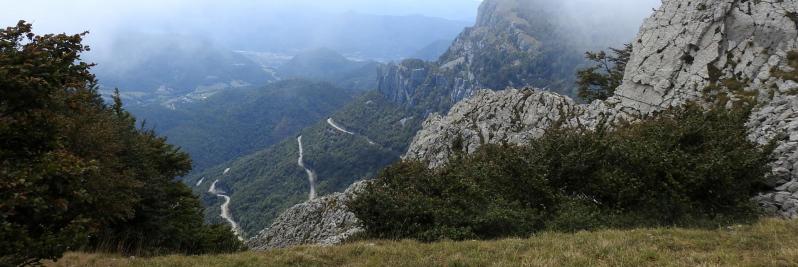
{"x":239,"y":121}
{"x":77,"y":173}
{"x":654,"y":173}
{"x":265,"y":183}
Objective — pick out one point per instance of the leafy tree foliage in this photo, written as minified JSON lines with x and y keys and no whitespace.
{"x":75,"y":172}
{"x":685,"y":167}
{"x":600,"y":81}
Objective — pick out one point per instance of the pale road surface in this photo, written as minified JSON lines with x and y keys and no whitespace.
{"x":226,"y":210}
{"x":332,"y":123}
{"x":311,"y":173}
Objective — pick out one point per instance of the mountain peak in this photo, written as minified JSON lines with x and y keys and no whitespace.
{"x":514,"y":43}
{"x":494,"y":12}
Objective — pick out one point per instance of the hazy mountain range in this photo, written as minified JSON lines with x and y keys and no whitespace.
{"x":238,"y":99}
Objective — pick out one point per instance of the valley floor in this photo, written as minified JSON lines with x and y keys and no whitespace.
{"x":770,"y":242}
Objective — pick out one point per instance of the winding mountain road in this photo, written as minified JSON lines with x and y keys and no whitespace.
{"x":311,"y":173}
{"x":226,"y":210}
{"x":332,"y":123}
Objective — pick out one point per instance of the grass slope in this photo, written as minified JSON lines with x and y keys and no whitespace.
{"x":770,"y":242}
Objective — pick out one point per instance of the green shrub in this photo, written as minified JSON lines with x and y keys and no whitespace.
{"x":599,"y":81}
{"x":477,"y":201}
{"x":683,"y":167}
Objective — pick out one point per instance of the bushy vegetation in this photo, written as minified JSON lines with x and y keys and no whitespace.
{"x":599,"y":81}
{"x":685,"y":167}
{"x":77,"y":173}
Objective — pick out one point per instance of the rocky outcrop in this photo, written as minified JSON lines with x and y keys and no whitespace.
{"x":400,"y":82}
{"x":514,"y":43}
{"x":320,"y":221}
{"x":780,"y":117}
{"x":493,"y":117}
{"x":735,"y":48}
{"x":688,"y":45}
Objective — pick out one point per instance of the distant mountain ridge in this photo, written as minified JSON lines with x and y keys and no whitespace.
{"x":328,"y":65}
{"x":172,"y":69}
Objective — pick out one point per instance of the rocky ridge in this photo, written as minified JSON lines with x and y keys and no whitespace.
{"x":320,"y":221}
{"x":514,"y":43}
{"x":494,"y":117}
{"x":736,"y":48}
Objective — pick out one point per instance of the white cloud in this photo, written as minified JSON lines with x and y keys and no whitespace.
{"x":105,"y":18}
{"x":76,"y":15}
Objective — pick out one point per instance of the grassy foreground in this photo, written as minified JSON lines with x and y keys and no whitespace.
{"x":770,"y":242}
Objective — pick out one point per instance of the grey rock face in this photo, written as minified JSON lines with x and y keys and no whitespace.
{"x":321,"y":221}
{"x":413,"y":81}
{"x":684,"y":48}
{"x":779,"y":117}
{"x":684,"y":41}
{"x":492,"y":117}
{"x":513,"y":33}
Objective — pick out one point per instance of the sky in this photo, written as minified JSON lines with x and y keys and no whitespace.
{"x":79,"y":15}
{"x":281,"y":26}
{"x":106,"y":19}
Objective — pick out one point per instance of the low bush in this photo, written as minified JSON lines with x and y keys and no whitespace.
{"x":683,"y":167}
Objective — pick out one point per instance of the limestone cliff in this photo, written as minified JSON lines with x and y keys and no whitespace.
{"x":735,"y":47}
{"x":321,"y":221}
{"x":494,"y":117}
{"x":514,"y":43}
